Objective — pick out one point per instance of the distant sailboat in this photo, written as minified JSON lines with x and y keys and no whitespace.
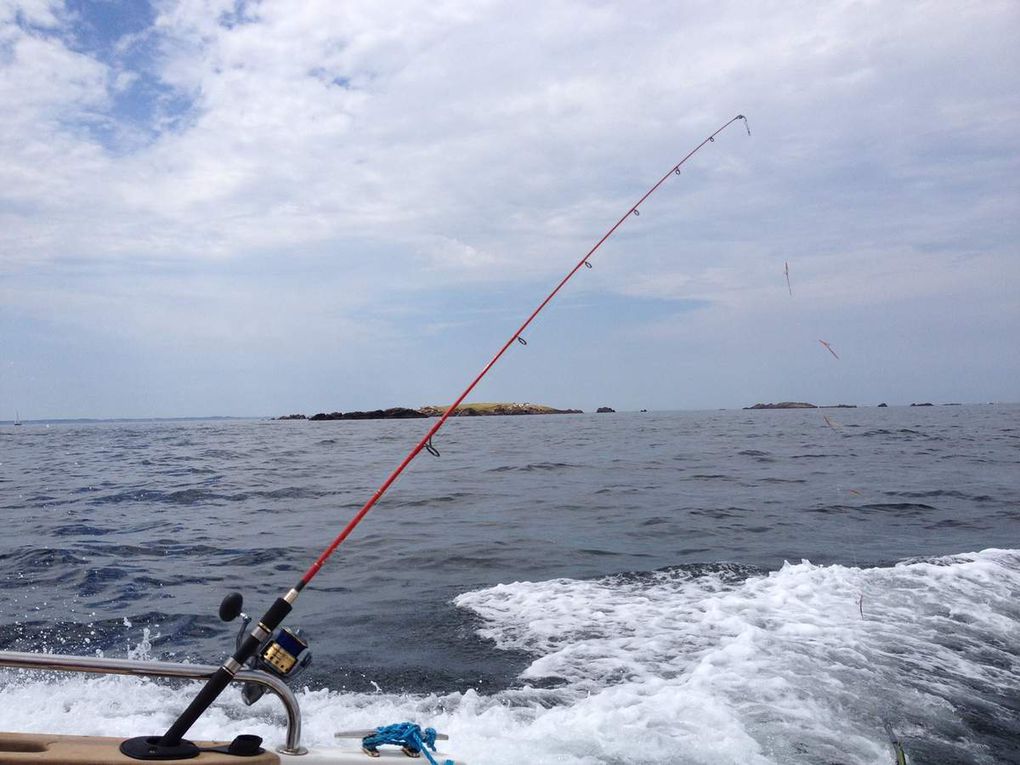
{"x":17,"y":418}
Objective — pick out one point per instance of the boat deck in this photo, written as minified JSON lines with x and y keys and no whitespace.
{"x":52,"y":748}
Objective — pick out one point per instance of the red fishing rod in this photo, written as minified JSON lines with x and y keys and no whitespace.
{"x":171,"y":744}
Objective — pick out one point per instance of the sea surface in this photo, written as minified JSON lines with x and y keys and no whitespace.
{"x":743,"y":587}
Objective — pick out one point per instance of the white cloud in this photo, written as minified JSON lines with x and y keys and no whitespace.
{"x":38,"y":13}
{"x":413,"y":145}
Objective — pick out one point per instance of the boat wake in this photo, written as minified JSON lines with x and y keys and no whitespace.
{"x":691,"y":664}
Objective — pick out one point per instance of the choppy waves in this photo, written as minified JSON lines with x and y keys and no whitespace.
{"x":115,"y":529}
{"x":687,"y":665}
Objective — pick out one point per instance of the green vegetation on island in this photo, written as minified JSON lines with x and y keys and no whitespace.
{"x":498,"y":408}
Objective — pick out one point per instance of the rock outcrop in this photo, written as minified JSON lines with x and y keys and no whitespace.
{"x":395,"y":413}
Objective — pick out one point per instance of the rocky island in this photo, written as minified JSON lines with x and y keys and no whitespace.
{"x":784,"y":405}
{"x":801,"y":405}
{"x":464,"y":410}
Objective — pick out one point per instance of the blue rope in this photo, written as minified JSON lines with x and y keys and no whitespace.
{"x":407,"y":735}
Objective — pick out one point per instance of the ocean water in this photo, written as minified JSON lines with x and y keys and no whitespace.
{"x":683,"y":587}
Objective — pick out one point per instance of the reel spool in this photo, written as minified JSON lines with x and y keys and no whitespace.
{"x":285,"y":653}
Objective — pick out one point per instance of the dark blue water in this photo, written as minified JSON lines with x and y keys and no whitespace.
{"x":113,"y":526}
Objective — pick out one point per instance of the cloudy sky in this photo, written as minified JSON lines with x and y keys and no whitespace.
{"x":212,"y":207}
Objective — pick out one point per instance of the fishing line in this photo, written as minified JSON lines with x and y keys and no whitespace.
{"x":172,"y":743}
{"x":843,"y":521}
{"x":516,"y":336}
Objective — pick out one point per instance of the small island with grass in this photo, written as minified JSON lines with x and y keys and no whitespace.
{"x":464,"y":410}
{"x":499,"y":408}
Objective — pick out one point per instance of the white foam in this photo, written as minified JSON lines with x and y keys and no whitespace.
{"x":777,"y":668}
{"x":665,"y":668}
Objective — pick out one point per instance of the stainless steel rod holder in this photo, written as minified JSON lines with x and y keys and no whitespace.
{"x":52,"y":662}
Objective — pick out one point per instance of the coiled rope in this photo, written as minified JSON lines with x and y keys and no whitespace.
{"x":408,"y":736}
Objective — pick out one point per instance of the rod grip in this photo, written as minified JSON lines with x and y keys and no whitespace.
{"x":210,"y":691}
{"x":221,"y":677}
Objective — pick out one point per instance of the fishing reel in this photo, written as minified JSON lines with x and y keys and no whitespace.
{"x":285,"y":653}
